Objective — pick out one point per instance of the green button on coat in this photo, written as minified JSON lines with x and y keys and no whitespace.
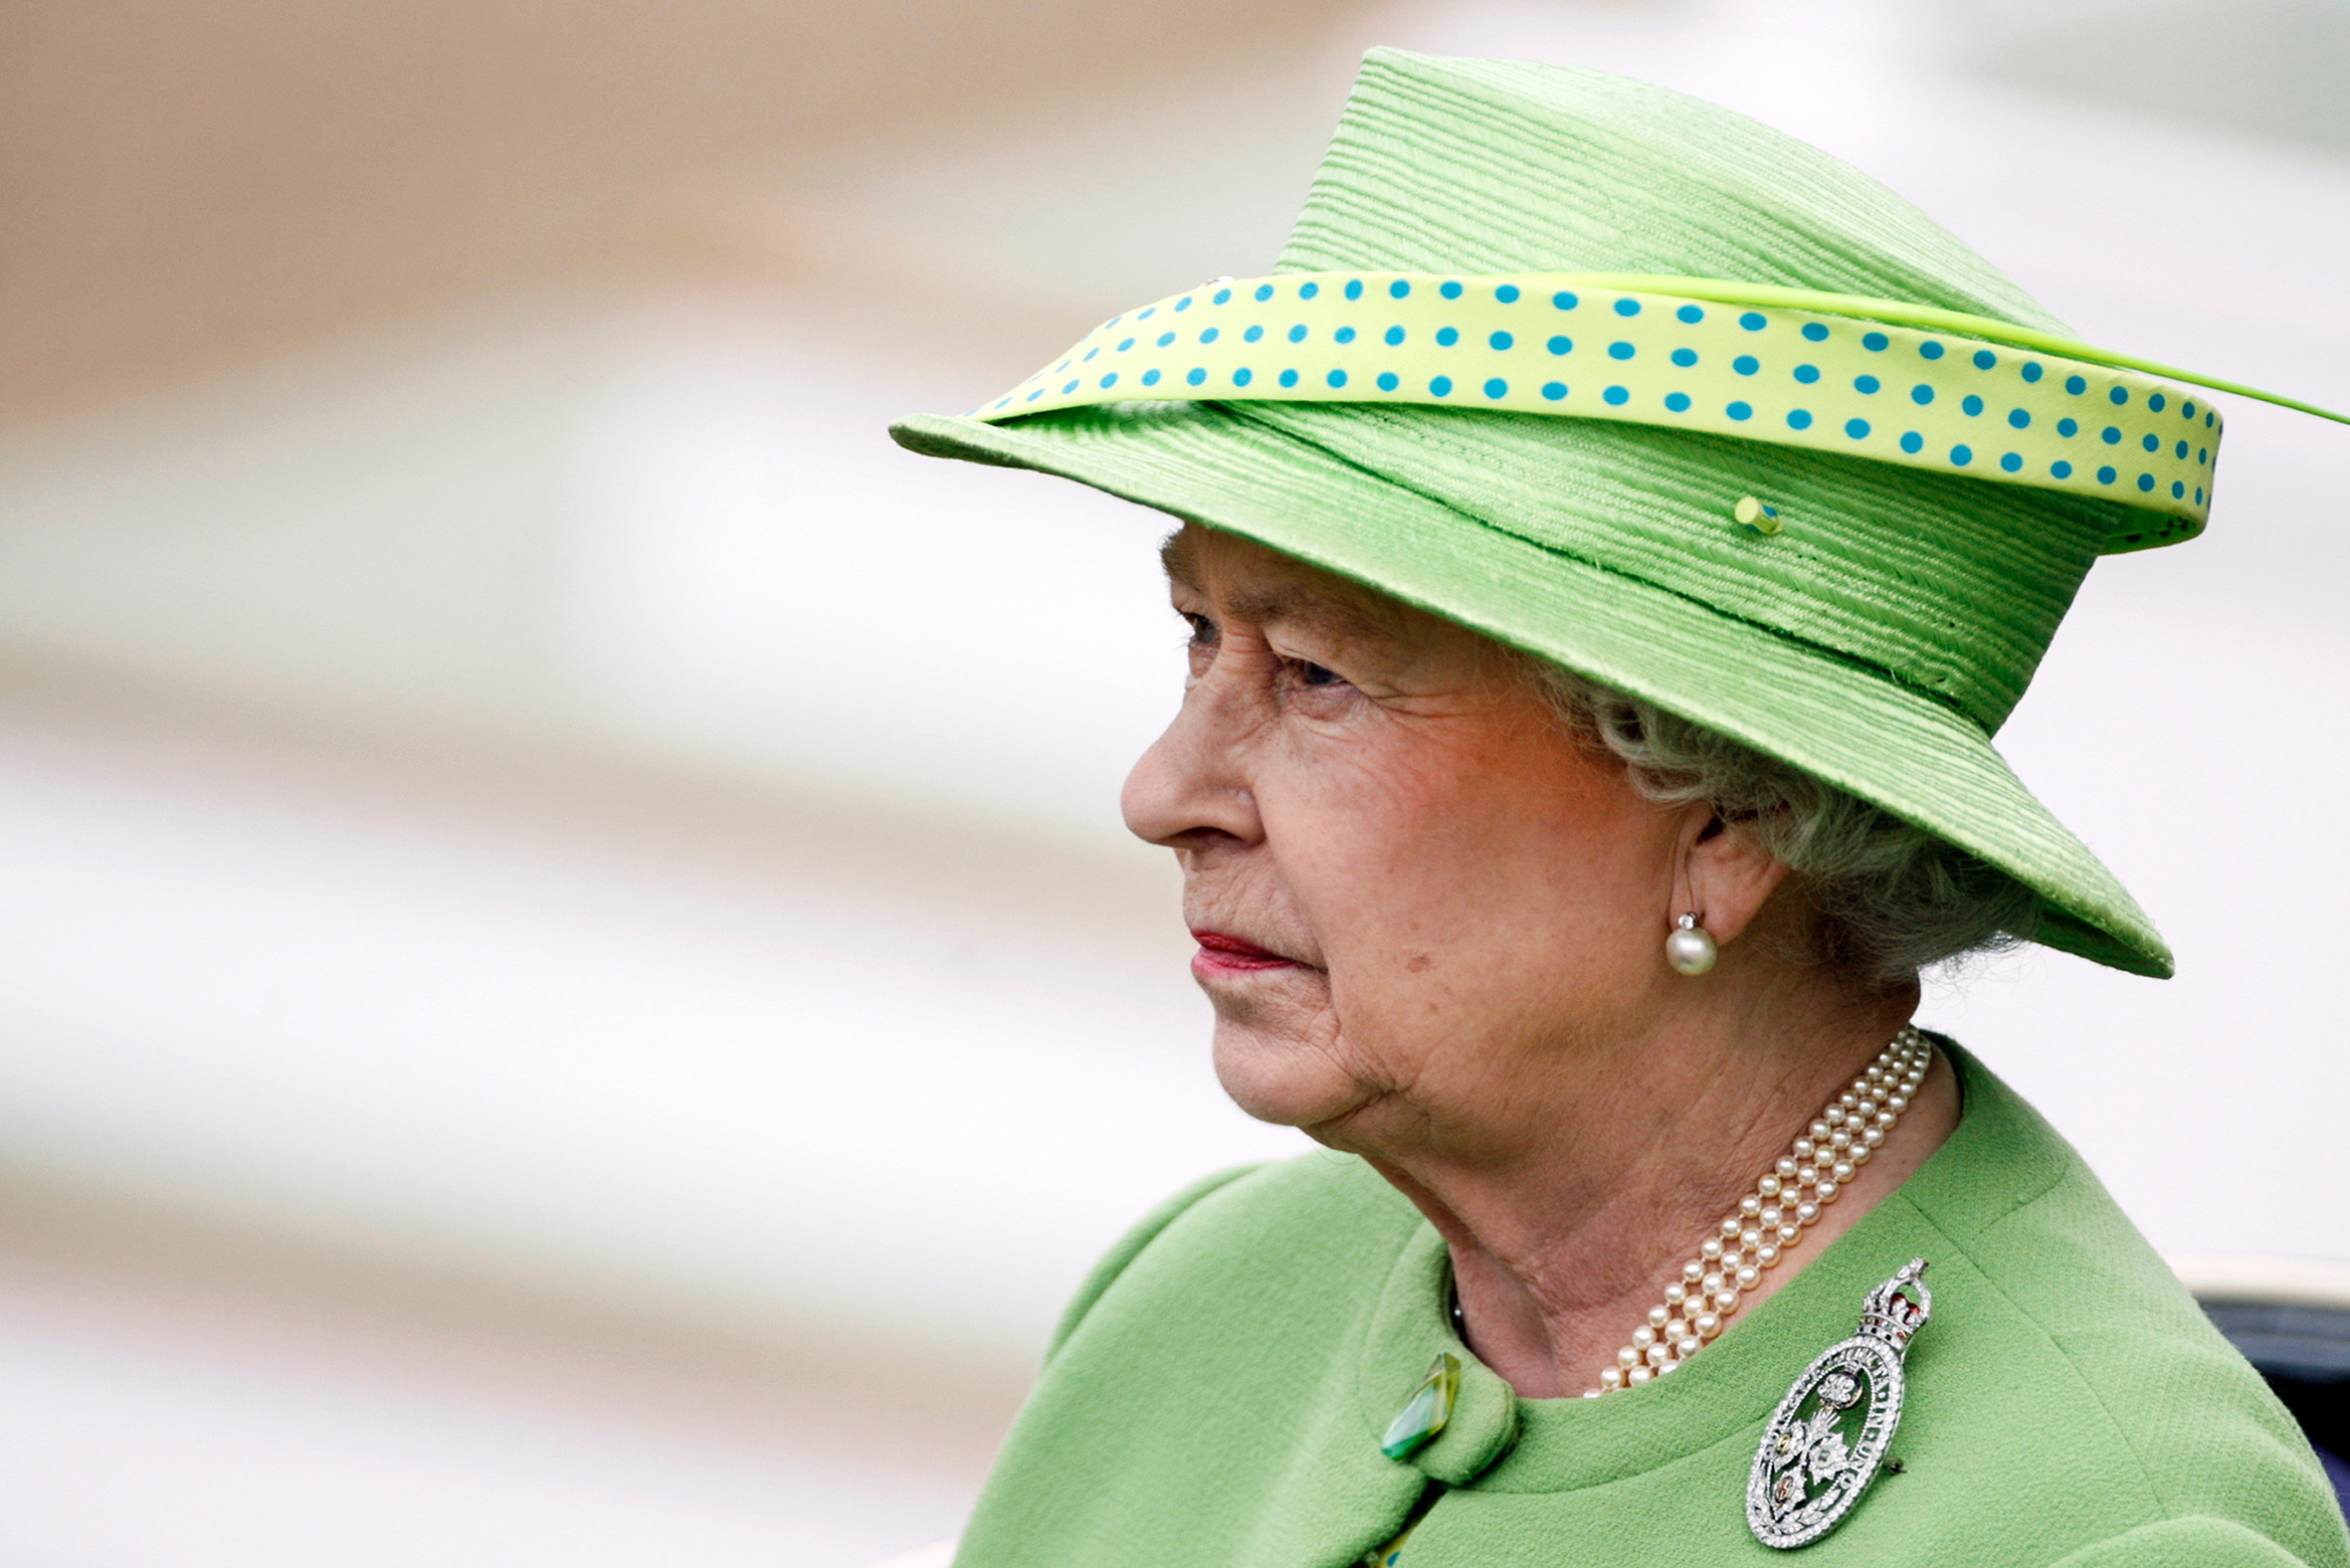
{"x":1423,"y":1415}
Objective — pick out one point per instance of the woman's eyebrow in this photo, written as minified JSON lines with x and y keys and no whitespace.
{"x":1328,"y":614}
{"x":1175,"y":560}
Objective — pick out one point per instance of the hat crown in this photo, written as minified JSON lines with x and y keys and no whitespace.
{"x":1500,"y":166}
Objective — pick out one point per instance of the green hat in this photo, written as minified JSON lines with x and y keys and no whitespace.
{"x":1829,"y":479}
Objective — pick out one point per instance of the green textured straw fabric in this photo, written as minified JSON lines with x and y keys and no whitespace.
{"x":1878,"y":639}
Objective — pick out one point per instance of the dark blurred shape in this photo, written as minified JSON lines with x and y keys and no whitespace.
{"x":2305,"y":1353}
{"x":191,"y":184}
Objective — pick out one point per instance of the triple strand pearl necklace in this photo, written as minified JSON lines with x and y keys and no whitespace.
{"x":1774,"y":1216}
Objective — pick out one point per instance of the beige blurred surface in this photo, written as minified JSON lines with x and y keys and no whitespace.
{"x":191,"y":186}
{"x":574,"y":989}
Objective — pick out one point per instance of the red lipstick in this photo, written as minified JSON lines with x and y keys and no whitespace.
{"x":1224,"y":954}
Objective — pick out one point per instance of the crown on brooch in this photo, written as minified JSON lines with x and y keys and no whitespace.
{"x":1899,"y":1307}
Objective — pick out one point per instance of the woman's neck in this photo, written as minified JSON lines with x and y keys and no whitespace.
{"x":1565,"y":1235}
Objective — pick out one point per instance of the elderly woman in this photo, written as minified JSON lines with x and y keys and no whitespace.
{"x":1609,"y":543}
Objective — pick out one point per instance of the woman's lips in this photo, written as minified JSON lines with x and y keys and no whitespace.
{"x":1224,"y":954}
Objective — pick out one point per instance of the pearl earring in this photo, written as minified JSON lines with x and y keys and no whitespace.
{"x":1688,"y":948}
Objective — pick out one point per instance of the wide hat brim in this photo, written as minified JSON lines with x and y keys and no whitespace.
{"x":1899,"y":747}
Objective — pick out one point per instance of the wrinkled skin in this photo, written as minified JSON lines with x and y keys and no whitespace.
{"x":1432,"y":928}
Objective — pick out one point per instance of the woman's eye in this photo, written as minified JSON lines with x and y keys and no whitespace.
{"x":1313,"y":674}
{"x":1203,"y":630}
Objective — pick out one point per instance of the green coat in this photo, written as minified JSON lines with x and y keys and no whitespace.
{"x":1215,"y":1395}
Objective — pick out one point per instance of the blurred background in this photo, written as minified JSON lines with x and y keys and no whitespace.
{"x":570,"y":987}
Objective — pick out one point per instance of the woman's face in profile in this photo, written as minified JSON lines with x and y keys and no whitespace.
{"x":1411,"y":887}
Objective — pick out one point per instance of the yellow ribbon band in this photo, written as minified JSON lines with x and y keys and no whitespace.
{"x":1794,"y":375}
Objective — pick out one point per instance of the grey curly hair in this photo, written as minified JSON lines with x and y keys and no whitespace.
{"x":1891,"y":897}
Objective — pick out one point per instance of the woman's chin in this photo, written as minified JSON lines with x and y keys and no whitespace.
{"x":1286,"y":1081}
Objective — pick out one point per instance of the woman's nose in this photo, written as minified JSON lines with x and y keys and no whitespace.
{"x":1192,"y":788}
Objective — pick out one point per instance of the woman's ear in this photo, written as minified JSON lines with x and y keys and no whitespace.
{"x":1727,"y":875}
